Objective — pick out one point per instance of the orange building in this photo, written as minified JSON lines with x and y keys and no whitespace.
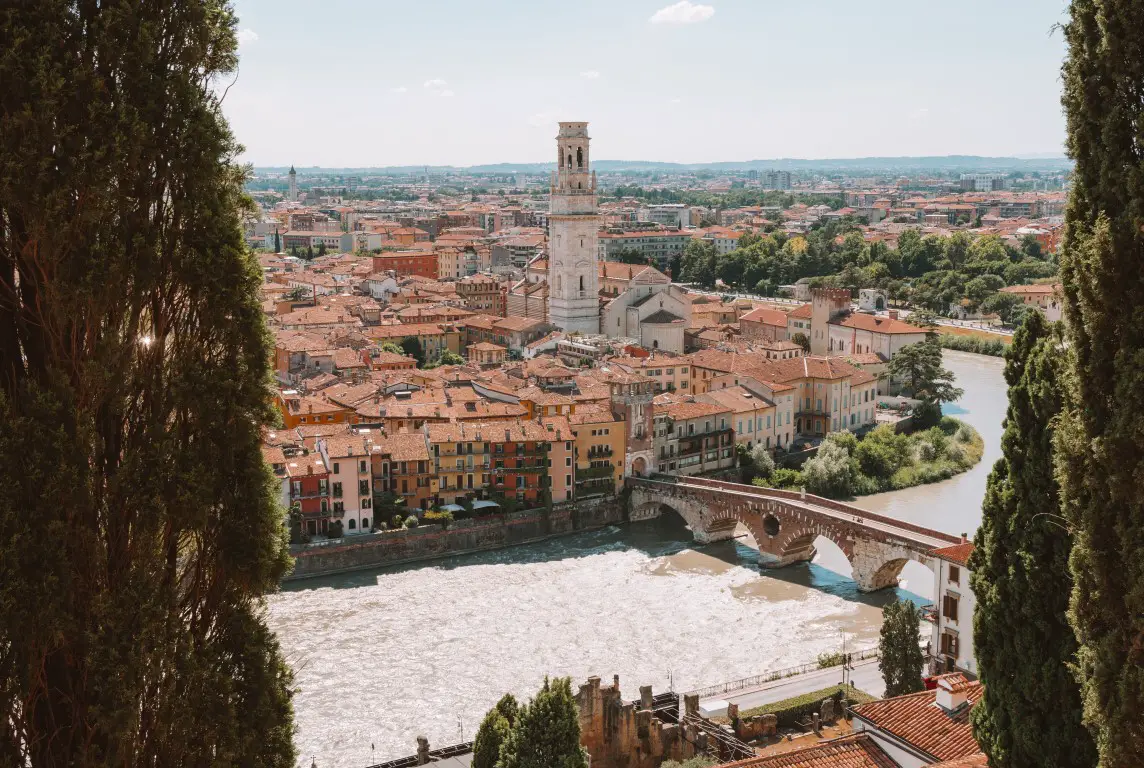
{"x":305,"y":410}
{"x":421,"y":262}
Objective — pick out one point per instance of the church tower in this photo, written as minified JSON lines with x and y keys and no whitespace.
{"x":573,"y":225}
{"x":293,"y":176}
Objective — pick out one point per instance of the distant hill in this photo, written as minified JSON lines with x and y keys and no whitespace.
{"x":964,"y":163}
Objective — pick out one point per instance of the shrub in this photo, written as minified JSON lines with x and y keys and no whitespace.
{"x":832,"y":659}
{"x":791,"y":711}
{"x":845,"y":439}
{"x":411,"y":521}
{"x":335,"y":530}
{"x":444,"y":517}
{"x":786,"y":478}
{"x":965,"y":434}
{"x":829,"y":473}
{"x":925,"y":450}
{"x":955,"y":453}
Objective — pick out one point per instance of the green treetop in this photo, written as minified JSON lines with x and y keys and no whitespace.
{"x":1100,"y":460}
{"x":546,"y":733}
{"x":139,"y":527}
{"x":900,"y":655}
{"x":1030,"y":712}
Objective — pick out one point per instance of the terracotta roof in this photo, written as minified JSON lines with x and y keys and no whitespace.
{"x":679,"y":411}
{"x":403,"y":447}
{"x":956,"y":553}
{"x":916,"y":719}
{"x":766,"y":316}
{"x":876,"y":324}
{"x":854,"y":751}
{"x":973,"y":761}
{"x":1033,"y":289}
{"x":802,"y":313}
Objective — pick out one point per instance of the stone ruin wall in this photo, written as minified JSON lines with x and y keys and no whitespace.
{"x":618,"y":734}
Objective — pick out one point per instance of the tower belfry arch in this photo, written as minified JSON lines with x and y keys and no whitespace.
{"x":573,"y":226}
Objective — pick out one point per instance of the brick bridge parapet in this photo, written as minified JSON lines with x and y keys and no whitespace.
{"x":785,"y":524}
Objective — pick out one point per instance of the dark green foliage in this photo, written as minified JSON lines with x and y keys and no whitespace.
{"x":802,"y":340}
{"x":1100,"y":459}
{"x":277,"y":242}
{"x":411,"y":346}
{"x":1030,"y":714}
{"x":139,"y":527}
{"x":901,"y":657}
{"x":919,"y":368}
{"x":546,"y":733}
{"x":976,"y":344}
{"x":799,"y":708}
{"x":494,"y":731}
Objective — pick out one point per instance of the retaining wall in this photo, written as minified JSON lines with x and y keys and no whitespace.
{"x":427,"y":542}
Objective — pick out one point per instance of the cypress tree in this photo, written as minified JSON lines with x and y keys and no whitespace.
{"x":1100,"y":459}
{"x":547,"y":731}
{"x":493,"y":732}
{"x":900,"y":655}
{"x":138,"y":522}
{"x":1030,"y":713}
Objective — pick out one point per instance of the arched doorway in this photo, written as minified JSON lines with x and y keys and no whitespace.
{"x":639,"y":467}
{"x":879,"y":304}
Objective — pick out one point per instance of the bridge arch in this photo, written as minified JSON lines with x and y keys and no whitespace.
{"x":785,"y":525}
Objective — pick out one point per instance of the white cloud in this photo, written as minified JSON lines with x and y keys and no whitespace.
{"x":918,"y":115}
{"x":591,"y":74}
{"x":435,"y":84}
{"x":399,"y":89}
{"x":683,"y":12}
{"x":247,"y":36}
{"x":447,"y":93}
{"x":675,"y":101}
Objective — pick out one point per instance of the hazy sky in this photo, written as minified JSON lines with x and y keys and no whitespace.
{"x":395,"y":82}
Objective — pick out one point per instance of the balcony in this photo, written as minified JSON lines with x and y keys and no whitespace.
{"x":517,"y":470}
{"x":929,"y":613}
{"x":590,"y":473}
{"x":599,"y":452}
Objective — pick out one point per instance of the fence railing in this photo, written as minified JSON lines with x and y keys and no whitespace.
{"x":778,"y":674}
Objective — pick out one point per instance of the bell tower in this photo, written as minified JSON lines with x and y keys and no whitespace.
{"x":573,"y":226}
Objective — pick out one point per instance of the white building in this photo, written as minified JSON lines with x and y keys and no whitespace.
{"x":573,"y":224}
{"x":351,"y":476}
{"x":951,"y":639}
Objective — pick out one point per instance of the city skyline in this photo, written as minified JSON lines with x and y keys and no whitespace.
{"x":489,"y":87}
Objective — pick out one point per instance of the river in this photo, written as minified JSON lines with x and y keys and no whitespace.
{"x":384,"y":656}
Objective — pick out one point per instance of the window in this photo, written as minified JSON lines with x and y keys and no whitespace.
{"x":361,"y":466}
{"x":337,"y":470}
{"x":950,"y":644}
{"x":954,"y":574}
{"x":325,"y":506}
{"x":949,"y":607}
{"x":366,"y":503}
{"x":337,"y":490}
{"x":363,"y":487}
{"x":364,"y":523}
{"x":352,"y":524}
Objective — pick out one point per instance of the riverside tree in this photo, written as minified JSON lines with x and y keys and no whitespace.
{"x":919,"y":367}
{"x":138,"y":523}
{"x":494,"y":731}
{"x":546,"y":733}
{"x":1030,"y":712}
{"x":1100,"y":462}
{"x":899,"y":655}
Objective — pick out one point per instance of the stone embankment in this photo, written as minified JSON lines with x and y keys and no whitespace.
{"x":429,"y":542}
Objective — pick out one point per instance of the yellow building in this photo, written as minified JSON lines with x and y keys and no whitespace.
{"x":601,"y":443}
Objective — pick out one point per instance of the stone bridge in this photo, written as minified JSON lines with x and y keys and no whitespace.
{"x":785,"y":524}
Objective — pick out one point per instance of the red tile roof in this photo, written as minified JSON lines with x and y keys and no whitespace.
{"x":916,"y":718}
{"x":766,"y":316}
{"x":802,"y":313}
{"x":854,"y":751}
{"x":956,"y":553}
{"x":973,"y":761}
{"x":876,"y":324}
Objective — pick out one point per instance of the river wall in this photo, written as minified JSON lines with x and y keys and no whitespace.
{"x":428,"y":542}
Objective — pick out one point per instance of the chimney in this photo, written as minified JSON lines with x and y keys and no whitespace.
{"x":951,"y":693}
{"x":964,"y":538}
{"x":893,"y":314}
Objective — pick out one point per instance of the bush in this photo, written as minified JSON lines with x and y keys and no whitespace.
{"x":444,"y":517}
{"x":845,"y":439}
{"x":975,"y":344}
{"x":411,"y":521}
{"x":965,"y":434}
{"x":791,"y":711}
{"x":832,"y":659}
{"x":781,"y":478}
{"x":925,"y":450}
{"x":829,"y":473}
{"x":335,"y":530}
